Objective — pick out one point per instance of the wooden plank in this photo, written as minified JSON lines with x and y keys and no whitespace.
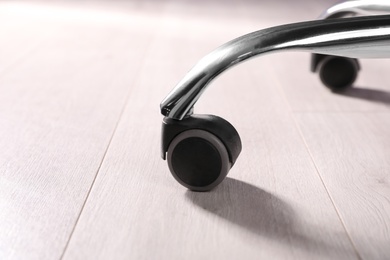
{"x":352,"y":153}
{"x":16,"y":31}
{"x":273,"y":205}
{"x":59,"y":107}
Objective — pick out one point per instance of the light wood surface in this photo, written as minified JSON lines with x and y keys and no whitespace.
{"x":80,"y":170}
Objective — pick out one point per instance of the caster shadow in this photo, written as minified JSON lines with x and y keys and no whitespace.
{"x":263,"y":214}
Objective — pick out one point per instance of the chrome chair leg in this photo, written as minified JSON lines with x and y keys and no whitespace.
{"x":339,"y":73}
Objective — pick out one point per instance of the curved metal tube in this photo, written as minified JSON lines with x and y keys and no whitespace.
{"x":362,"y":7}
{"x":361,"y":37}
{"x":348,"y":9}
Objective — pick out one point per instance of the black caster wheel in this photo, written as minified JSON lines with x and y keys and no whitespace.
{"x":198,"y":160}
{"x":338,"y":73}
{"x":201,"y":150}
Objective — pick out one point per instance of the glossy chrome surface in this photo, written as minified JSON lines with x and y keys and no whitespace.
{"x":361,"y":7}
{"x":361,"y":37}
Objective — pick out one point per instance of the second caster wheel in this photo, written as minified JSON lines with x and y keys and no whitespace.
{"x":338,"y":73}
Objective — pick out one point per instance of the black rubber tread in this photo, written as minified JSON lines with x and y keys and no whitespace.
{"x":338,"y":73}
{"x":198,"y":160}
{"x":213,"y":124}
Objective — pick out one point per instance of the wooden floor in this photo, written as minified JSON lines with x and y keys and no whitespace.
{"x":80,"y":170}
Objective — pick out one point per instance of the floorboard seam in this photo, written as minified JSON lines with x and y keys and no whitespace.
{"x":104,"y":155}
{"x":291,"y":114}
{"x":323,"y":183}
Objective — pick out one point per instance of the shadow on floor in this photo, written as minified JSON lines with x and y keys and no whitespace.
{"x":373,"y":95}
{"x":264,"y":214}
